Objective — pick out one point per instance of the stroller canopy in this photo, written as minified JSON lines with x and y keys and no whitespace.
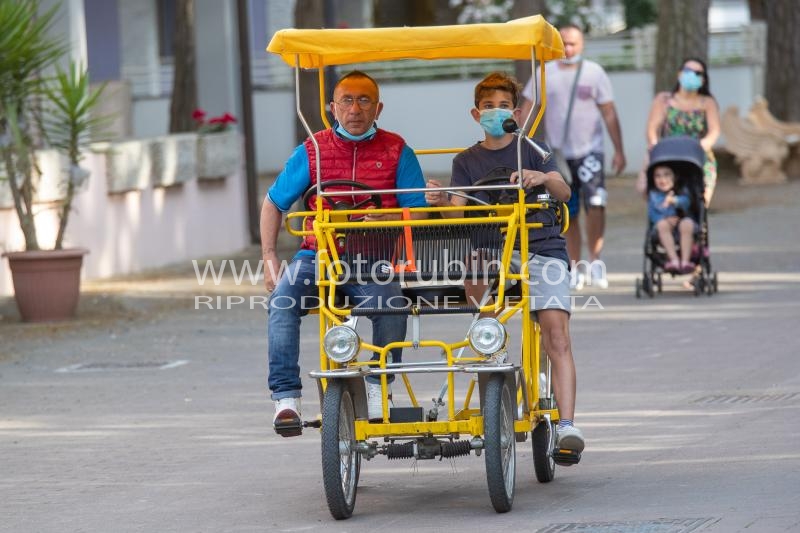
{"x":683,"y":154}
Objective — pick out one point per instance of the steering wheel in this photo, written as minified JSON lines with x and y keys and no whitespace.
{"x":310,"y":196}
{"x":496,"y":196}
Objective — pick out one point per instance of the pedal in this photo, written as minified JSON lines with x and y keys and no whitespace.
{"x":316,"y":423}
{"x":565,"y":457}
{"x":288,"y":427}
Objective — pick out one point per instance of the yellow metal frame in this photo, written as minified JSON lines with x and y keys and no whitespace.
{"x":527,"y":38}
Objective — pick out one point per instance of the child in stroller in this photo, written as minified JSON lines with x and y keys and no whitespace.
{"x":667,"y":207}
{"x":676,"y":241}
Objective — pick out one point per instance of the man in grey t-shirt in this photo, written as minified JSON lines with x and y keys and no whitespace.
{"x":583,"y":146}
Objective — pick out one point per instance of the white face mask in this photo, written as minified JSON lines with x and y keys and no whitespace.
{"x":571,"y":60}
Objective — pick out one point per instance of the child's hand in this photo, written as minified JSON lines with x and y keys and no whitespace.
{"x":435,"y":198}
{"x":669,"y":199}
{"x":530,"y":178}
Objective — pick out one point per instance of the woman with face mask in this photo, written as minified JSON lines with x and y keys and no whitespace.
{"x":691,"y":110}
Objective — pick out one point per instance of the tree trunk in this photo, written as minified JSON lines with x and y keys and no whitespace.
{"x":756,"y":9}
{"x":682,"y":33}
{"x":390,"y":13}
{"x":184,"y":83}
{"x":17,"y":158}
{"x":526,"y":8}
{"x":309,"y":14}
{"x":443,"y":14}
{"x":783,"y":58}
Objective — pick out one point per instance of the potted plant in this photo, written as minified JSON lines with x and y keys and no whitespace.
{"x":218,"y":145}
{"x":35,"y":111}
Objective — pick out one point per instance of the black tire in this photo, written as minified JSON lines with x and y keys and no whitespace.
{"x":714,"y":282}
{"x":659,"y":283}
{"x":543,"y":462}
{"x":647,"y":285}
{"x":340,"y":460}
{"x":699,"y":285}
{"x":499,"y":442}
{"x":638,"y":288}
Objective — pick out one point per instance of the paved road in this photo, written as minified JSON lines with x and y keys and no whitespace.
{"x":690,"y":408}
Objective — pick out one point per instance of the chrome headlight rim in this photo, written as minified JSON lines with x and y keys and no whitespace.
{"x":494,"y":326}
{"x":339,"y":334}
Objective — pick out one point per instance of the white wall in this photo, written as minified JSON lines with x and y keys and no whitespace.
{"x":136,"y":230}
{"x":435,"y":114}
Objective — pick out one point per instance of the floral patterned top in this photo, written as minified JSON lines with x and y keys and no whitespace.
{"x":693,"y":124}
{"x":679,"y":122}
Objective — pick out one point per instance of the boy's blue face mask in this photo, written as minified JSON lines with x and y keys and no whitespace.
{"x":492,"y":120}
{"x":690,"y":81}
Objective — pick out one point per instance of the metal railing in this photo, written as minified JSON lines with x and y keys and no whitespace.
{"x":635,"y":50}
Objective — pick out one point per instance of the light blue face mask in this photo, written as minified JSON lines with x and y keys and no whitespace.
{"x":492,"y":120}
{"x":690,"y":81}
{"x":347,"y":135}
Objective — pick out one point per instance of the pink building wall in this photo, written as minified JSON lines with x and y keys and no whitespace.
{"x":140,"y":229}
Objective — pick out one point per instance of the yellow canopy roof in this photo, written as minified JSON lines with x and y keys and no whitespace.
{"x":509,"y":40}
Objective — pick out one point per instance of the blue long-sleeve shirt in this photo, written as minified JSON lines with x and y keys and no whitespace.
{"x":655,"y":205}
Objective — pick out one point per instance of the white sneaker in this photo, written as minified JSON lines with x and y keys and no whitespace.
{"x":598,"y":278}
{"x":577,"y":280}
{"x":570,"y":438}
{"x":374,"y":402}
{"x":287,"y":420}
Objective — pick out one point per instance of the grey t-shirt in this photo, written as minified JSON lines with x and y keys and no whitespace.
{"x":477,"y":162}
{"x":585,"y":134}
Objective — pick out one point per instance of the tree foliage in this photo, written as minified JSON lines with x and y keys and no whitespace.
{"x":639,"y":13}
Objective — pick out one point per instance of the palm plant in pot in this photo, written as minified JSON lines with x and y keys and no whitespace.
{"x":37,"y":111}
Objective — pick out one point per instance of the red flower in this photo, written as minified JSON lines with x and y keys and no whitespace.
{"x":214,"y":124}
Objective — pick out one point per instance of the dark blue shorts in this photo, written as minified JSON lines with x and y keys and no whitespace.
{"x":588,"y":183}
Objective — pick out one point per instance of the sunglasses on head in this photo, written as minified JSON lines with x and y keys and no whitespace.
{"x":698,"y":72}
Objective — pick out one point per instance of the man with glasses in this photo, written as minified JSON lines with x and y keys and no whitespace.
{"x":354,"y":148}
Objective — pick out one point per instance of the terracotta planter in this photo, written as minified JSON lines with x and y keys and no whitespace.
{"x":46,"y":283}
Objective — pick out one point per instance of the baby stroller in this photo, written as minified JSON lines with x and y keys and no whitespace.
{"x":685,"y":157}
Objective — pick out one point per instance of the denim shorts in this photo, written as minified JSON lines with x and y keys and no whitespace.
{"x":548,"y":282}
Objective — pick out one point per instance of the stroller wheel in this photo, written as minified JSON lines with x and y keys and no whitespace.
{"x":714,"y":282}
{"x":638,"y":288}
{"x":659,"y":284}
{"x":647,"y":285}
{"x":699,"y":285}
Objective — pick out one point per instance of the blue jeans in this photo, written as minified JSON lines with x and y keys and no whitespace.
{"x":296,"y":293}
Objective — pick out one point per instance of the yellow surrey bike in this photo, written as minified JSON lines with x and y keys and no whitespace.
{"x":514,"y":396}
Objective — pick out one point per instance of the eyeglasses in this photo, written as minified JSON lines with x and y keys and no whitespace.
{"x":363,"y":102}
{"x":698,"y":72}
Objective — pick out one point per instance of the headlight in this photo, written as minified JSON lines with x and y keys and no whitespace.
{"x":487,"y":336}
{"x":341,"y":344}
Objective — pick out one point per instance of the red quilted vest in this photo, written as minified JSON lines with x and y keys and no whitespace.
{"x":373,"y":162}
